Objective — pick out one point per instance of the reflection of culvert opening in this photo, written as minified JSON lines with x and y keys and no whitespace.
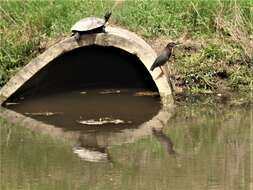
{"x":89,"y":67}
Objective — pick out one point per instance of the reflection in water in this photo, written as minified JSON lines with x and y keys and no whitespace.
{"x":120,"y":116}
{"x":201,"y":147}
{"x":165,"y":141}
{"x":71,"y":110}
{"x":98,"y":155}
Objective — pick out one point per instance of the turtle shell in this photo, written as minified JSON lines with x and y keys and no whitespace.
{"x":88,"y":24}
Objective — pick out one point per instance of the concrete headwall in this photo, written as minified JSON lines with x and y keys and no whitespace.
{"x":114,"y":37}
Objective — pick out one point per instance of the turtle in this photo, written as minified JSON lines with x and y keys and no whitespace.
{"x":90,"y":25}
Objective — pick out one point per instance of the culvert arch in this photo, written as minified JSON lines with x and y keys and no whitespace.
{"x":114,"y":37}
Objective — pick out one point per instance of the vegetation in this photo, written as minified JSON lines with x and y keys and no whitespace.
{"x":217,"y":35}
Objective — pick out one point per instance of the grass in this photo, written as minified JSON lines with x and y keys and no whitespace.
{"x":222,"y":31}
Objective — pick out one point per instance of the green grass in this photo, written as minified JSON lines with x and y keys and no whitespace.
{"x":27,"y":27}
{"x":216,"y":67}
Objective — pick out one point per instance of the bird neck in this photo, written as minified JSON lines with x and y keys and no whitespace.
{"x":169,"y":48}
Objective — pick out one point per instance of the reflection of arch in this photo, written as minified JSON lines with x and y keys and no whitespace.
{"x":92,"y":141}
{"x":114,"y":37}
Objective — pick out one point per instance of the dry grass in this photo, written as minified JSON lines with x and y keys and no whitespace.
{"x":235,"y":27}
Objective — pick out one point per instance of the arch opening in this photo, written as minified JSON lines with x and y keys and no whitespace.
{"x":89,"y":67}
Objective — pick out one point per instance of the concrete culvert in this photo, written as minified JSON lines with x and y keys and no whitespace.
{"x":117,"y":58}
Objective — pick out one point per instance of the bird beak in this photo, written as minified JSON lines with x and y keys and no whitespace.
{"x":178,"y":43}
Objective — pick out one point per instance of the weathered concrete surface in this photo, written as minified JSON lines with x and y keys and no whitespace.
{"x":115,"y":37}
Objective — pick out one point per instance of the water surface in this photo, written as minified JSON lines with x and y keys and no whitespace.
{"x":67,"y":109}
{"x":204,"y":146}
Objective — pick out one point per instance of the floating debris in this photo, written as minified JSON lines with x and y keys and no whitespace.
{"x":44,"y":113}
{"x":103,"y":121}
{"x":146,"y":93}
{"x":83,"y":92}
{"x":11,"y":103}
{"x":110,"y":92}
{"x":90,"y":155}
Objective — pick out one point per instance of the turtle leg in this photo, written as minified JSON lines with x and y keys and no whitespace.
{"x":103,"y":29}
{"x":77,"y":36}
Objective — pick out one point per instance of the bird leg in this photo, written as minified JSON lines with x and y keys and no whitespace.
{"x":166,"y":71}
{"x":160,"y":75}
{"x":161,"y":69}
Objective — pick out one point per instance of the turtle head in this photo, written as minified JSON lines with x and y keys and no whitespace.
{"x":107,"y":15}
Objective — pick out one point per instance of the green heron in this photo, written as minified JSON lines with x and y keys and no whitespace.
{"x":164,"y":56}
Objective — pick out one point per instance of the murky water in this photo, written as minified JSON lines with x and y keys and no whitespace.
{"x":70,"y":109}
{"x":203,"y":146}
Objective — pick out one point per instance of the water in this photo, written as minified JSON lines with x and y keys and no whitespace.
{"x":205,"y":145}
{"x":67,"y":109}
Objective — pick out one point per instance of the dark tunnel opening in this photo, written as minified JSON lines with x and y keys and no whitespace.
{"x":89,"y":67}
